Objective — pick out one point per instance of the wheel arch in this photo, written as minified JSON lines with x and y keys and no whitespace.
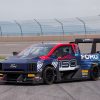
{"x":93,"y":66}
{"x":55,"y":71}
{"x":48,"y":65}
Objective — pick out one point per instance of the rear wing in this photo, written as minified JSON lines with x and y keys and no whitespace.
{"x":93,"y":41}
{"x":96,"y":40}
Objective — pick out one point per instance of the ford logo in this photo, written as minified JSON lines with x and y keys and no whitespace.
{"x":13,"y":66}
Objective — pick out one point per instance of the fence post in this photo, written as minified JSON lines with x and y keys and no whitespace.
{"x":1,"y":30}
{"x":61,"y":26}
{"x":84,"y":24}
{"x":19,"y":27}
{"x":39,"y":26}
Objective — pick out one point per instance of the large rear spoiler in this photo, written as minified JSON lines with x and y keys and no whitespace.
{"x":93,"y":41}
{"x":96,"y":40}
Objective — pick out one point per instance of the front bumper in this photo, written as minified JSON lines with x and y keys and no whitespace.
{"x":20,"y":77}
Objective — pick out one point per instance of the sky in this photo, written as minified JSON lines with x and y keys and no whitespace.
{"x":47,"y":9}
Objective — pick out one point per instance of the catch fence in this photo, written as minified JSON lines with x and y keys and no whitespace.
{"x":51,"y":27}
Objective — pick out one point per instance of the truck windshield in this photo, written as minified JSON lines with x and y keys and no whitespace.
{"x":35,"y":50}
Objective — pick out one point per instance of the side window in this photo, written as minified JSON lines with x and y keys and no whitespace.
{"x":63,"y":51}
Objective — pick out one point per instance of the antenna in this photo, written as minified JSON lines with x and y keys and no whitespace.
{"x":42,"y":42}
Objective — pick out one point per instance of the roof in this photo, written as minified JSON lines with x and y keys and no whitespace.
{"x":51,"y":44}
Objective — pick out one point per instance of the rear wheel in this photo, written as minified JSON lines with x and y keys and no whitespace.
{"x":49,"y":75}
{"x":94,"y":73}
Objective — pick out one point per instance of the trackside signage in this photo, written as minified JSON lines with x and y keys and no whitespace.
{"x":88,"y":56}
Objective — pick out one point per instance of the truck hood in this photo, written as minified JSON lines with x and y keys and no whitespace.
{"x":16,"y":59}
{"x":19,"y":64}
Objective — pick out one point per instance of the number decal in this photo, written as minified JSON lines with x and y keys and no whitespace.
{"x":67,"y":64}
{"x":73,"y":63}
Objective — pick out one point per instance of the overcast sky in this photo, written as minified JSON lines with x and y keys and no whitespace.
{"x":47,"y":9}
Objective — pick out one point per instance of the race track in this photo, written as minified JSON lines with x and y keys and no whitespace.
{"x":84,"y":90}
{"x":78,"y":90}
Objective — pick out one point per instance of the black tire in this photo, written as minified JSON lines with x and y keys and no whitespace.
{"x":94,"y":73}
{"x":49,"y":75}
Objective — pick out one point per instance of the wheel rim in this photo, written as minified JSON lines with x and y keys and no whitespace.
{"x":49,"y":75}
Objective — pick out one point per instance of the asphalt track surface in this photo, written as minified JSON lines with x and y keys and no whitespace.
{"x":84,"y":90}
{"x":76,"y":90}
{"x":8,"y":48}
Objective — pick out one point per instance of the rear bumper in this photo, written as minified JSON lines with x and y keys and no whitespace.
{"x":20,"y":77}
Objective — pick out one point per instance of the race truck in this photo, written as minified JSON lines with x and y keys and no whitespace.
{"x":51,"y":62}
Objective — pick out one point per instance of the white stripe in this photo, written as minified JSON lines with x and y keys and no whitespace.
{"x":68,"y":68}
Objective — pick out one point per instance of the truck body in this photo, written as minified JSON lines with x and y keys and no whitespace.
{"x":50,"y":62}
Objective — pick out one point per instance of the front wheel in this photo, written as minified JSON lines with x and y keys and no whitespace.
{"x":49,"y":75}
{"x":94,"y":74}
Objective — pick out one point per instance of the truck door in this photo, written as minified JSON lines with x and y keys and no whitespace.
{"x":66,"y":58}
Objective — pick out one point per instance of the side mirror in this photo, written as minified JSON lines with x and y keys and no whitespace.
{"x":76,"y":54}
{"x":15,"y":53}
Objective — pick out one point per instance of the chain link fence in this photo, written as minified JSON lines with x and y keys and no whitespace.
{"x":46,"y":27}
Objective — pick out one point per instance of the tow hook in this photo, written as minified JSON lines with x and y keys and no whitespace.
{"x":20,"y":78}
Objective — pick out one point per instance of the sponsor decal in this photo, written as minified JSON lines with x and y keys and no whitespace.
{"x":86,"y":56}
{"x":13,"y":66}
{"x":55,"y":63}
{"x":85,"y":73}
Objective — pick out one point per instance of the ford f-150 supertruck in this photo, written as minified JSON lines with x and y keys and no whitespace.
{"x":51,"y":62}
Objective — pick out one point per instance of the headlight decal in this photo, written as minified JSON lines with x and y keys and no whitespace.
{"x":55,"y":63}
{"x":39,"y":65}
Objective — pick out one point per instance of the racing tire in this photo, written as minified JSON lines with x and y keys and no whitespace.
{"x":49,"y":75}
{"x":94,"y":74}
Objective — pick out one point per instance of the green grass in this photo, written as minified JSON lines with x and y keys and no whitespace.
{"x":2,"y":57}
